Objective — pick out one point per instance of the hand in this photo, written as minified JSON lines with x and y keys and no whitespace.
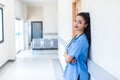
{"x":73,"y":61}
{"x":69,"y":58}
{"x":65,"y":54}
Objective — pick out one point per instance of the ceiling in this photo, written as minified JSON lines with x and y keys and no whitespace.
{"x":38,"y":2}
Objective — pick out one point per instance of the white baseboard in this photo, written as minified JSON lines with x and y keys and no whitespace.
{"x":98,"y":73}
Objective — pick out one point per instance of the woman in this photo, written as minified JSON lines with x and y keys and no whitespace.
{"x":77,"y":50}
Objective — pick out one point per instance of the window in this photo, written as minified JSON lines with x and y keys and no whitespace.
{"x":1,"y":26}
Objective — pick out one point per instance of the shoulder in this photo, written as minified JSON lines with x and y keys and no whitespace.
{"x":83,"y":40}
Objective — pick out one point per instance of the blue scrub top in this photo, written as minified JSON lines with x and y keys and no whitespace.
{"x":78,"y":48}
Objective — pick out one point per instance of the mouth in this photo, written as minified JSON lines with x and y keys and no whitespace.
{"x":76,"y":27}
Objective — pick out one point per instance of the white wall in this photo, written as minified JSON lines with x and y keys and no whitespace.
{"x":7,"y":48}
{"x":24,"y":11}
{"x":35,"y":13}
{"x":65,"y":26}
{"x":26,"y":27}
{"x":105,"y":26}
{"x":50,"y":17}
{"x":20,"y":10}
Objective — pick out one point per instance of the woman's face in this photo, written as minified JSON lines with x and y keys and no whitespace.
{"x":79,"y":23}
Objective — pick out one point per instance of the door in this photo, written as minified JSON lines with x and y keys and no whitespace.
{"x":36,"y":30}
{"x":19,"y":35}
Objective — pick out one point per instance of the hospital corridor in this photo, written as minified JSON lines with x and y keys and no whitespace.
{"x":35,"y":36}
{"x":33,"y":65}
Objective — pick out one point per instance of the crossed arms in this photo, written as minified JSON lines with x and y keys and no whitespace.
{"x":69,"y":58}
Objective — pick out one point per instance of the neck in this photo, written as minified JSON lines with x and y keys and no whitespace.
{"x":79,"y":32}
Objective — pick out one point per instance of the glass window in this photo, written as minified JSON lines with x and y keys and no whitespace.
{"x":1,"y":25}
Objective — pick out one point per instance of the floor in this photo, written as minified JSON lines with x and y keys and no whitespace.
{"x":33,"y":65}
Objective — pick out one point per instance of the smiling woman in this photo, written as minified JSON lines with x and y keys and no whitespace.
{"x":1,"y":25}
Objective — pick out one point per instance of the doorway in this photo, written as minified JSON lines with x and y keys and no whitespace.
{"x":36,"y":30}
{"x":19,"y":35}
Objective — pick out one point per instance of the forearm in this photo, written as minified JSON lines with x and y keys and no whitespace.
{"x":67,"y":57}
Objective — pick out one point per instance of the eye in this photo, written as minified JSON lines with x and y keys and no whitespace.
{"x":79,"y":22}
{"x":75,"y":20}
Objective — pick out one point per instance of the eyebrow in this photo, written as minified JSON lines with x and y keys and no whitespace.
{"x":79,"y":20}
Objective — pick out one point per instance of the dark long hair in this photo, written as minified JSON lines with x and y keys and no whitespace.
{"x":87,"y":31}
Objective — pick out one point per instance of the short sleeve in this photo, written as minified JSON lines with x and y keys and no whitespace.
{"x":78,"y":47}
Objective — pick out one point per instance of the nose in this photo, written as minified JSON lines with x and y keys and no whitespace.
{"x":76,"y":23}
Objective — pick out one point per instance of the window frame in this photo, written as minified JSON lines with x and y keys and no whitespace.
{"x":1,"y":26}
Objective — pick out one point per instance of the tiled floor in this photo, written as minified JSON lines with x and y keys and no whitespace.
{"x":33,"y":65}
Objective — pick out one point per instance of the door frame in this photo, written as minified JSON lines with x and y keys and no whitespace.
{"x":32,"y":28}
{"x":75,"y":10}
